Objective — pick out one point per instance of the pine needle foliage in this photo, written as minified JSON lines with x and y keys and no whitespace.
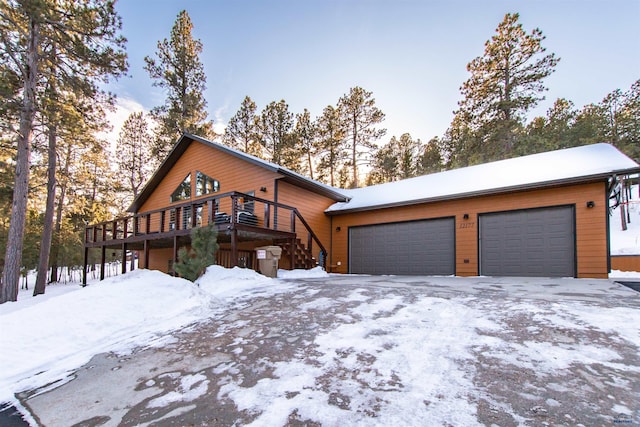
{"x":192,"y":263}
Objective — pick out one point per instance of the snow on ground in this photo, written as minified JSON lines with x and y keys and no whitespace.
{"x":411,"y":357}
{"x":404,"y":360}
{"x":59,"y":331}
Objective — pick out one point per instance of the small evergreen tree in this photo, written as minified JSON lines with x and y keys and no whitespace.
{"x":192,"y":263}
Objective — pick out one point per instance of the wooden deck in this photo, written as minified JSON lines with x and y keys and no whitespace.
{"x":238,"y":217}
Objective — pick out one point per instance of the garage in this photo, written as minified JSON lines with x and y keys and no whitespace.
{"x":531,"y":242}
{"x":424,"y":247}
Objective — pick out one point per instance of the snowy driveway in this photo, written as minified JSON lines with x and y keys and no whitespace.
{"x":358,"y":350}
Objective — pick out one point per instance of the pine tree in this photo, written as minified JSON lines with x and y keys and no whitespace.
{"x":33,"y":34}
{"x":361,"y":116}
{"x":242,"y":132}
{"x":275,"y":126}
{"x":305,"y":140}
{"x":331,"y":150}
{"x":134,"y":157}
{"x":397,"y":159}
{"x":384,"y":165}
{"x":553,"y":132}
{"x":430,"y":161}
{"x":505,"y":83}
{"x":193,"y":263}
{"x":408,"y":150}
{"x":178,"y":70}
{"x":629,"y":122}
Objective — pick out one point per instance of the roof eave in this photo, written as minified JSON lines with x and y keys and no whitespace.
{"x":501,"y":190}
{"x":310,"y":185}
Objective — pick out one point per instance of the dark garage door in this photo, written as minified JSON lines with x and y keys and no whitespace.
{"x":532,"y":242}
{"x":416,"y":247}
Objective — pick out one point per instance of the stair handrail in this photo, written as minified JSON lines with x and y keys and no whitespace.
{"x":323,"y":250}
{"x":91,"y":230}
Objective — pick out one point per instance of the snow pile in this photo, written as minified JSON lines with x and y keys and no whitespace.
{"x":317,"y":272}
{"x":223,"y":282}
{"x":45,"y":337}
{"x":41,"y":342}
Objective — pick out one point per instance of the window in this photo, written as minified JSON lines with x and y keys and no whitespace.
{"x":205,"y":184}
{"x":183,"y":192}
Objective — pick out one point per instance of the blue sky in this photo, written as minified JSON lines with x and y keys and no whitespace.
{"x":411,"y":54}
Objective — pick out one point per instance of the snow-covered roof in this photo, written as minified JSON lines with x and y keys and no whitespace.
{"x":569,"y":165}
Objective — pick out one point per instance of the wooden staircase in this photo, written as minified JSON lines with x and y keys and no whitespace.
{"x":302,"y":256}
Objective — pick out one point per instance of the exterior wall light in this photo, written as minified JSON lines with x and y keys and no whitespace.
{"x":465,"y":216}
{"x":338,"y":228}
{"x":263,"y":189}
{"x":591,"y":204}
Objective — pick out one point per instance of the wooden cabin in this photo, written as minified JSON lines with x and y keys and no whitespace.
{"x":251,"y":202}
{"x":541,"y":215}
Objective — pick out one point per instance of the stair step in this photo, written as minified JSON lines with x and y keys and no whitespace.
{"x":302,"y":256}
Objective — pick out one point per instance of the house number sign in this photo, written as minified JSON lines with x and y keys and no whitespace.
{"x":467,"y":224}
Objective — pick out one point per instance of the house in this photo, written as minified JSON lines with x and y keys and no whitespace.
{"x":539,"y":215}
{"x":251,"y":202}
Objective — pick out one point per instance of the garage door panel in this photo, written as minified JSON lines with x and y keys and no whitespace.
{"x":415,"y":247}
{"x":534,"y":242}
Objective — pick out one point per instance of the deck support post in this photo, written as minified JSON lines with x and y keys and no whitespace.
{"x":234,"y":247}
{"x":175,"y":253}
{"x":84,"y":266}
{"x":103,"y":255}
{"x":124,"y":258}
{"x":146,"y":254}
{"x":292,"y":249}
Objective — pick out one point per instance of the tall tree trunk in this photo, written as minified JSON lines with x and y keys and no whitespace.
{"x":354,"y":152}
{"x":47,"y":231}
{"x":310,"y":161}
{"x":55,"y":247}
{"x":15,"y":238}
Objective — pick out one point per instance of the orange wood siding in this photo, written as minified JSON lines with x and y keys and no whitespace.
{"x":233,"y":174}
{"x":158,"y":259}
{"x":625,"y":262}
{"x":591,"y":233}
{"x":311,"y":206}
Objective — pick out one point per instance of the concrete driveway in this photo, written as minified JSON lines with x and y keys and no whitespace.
{"x":361,"y":350}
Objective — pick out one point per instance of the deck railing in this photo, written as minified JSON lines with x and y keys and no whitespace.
{"x":233,"y":208}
